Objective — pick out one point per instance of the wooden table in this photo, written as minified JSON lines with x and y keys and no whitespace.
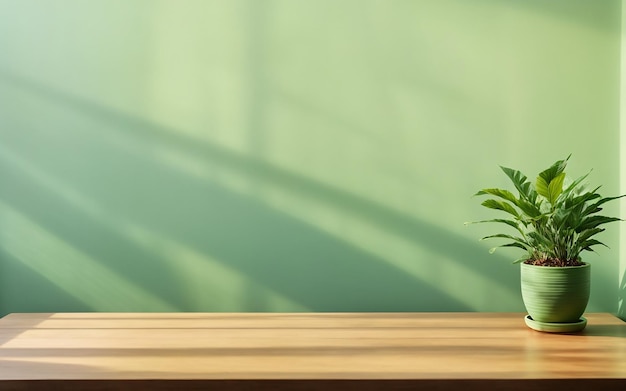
{"x":306,"y":351}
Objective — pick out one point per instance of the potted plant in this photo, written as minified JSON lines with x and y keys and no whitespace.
{"x":553,"y":222}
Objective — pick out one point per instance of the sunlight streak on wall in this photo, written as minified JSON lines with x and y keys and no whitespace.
{"x":622,"y":236}
{"x":410,"y":256}
{"x":206,"y":283}
{"x":78,"y":274}
{"x":358,"y":230}
{"x":363,"y":127}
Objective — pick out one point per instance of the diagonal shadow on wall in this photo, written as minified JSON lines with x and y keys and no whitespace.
{"x":260,"y":254}
{"x":13,"y":274}
{"x":267,"y":256}
{"x":240,"y":237}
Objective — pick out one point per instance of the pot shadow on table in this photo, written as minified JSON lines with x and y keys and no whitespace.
{"x":604,"y":330}
{"x":609,"y":330}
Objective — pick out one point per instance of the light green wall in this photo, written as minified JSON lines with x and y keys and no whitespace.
{"x":622,"y":258}
{"x":289,"y":155}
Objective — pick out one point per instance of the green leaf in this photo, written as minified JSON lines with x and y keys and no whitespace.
{"x":515,"y":244}
{"x":582,"y":199}
{"x":525,"y":206}
{"x":586,"y":234}
{"x":594,"y":208}
{"x":594,"y":221}
{"x":505,"y":194}
{"x":503,"y":221}
{"x":505,"y":236}
{"x":553,"y":220}
{"x":574,"y":185}
{"x":520,"y":260}
{"x":555,"y":188}
{"x":520,"y":181}
{"x":554,"y":171}
{"x":530,"y":209}
{"x":500,"y":205}
{"x":552,"y":189}
{"x":542,"y":240}
{"x":586,"y":245}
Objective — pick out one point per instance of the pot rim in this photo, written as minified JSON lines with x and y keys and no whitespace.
{"x":584,"y":265}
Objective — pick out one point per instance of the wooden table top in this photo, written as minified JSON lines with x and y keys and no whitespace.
{"x":114,"y":346}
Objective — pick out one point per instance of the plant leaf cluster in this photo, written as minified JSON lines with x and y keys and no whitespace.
{"x":553,"y":223}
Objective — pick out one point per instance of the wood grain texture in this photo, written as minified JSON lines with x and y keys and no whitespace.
{"x":303,"y":351}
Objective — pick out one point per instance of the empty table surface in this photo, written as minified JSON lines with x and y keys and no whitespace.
{"x":304,"y":349}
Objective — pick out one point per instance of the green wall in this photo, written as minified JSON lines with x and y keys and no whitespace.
{"x":289,"y":155}
{"x":622,"y":258}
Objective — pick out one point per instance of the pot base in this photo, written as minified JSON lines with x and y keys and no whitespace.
{"x":556,"y":327}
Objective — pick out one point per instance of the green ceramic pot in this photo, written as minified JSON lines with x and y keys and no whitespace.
{"x":555,"y":294}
